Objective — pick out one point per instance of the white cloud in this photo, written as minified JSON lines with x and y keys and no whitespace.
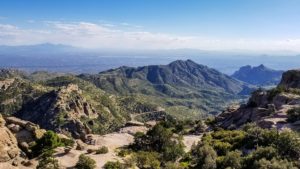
{"x":91,"y":35}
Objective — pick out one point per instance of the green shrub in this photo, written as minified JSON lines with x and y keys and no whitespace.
{"x":171,"y":165}
{"x":288,"y":145}
{"x":231,"y":160}
{"x":113,"y":165}
{"x":123,"y":152}
{"x":67,"y":142}
{"x":47,"y":161}
{"x":161,"y":140}
{"x":173,"y":151}
{"x":204,"y":157}
{"x":49,"y":141}
{"x":102,"y":150}
{"x":224,"y":141}
{"x":293,"y":114}
{"x":147,"y":160}
{"x":85,"y":162}
{"x":275,"y":91}
{"x":267,"y":153}
{"x":221,"y":147}
{"x":273,"y":164}
{"x":294,"y":91}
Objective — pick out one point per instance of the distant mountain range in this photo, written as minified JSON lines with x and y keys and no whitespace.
{"x":69,"y":59}
{"x":260,"y":75}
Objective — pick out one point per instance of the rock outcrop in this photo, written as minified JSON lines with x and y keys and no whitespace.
{"x":24,"y":131}
{"x":9,"y":151}
{"x":267,"y":108}
{"x":61,"y":110}
{"x":291,"y":79}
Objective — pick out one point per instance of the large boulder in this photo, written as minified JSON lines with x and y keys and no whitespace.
{"x":23,"y":130}
{"x":258,"y":98}
{"x":9,"y":150}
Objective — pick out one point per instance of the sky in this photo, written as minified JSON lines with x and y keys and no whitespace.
{"x":257,"y":25}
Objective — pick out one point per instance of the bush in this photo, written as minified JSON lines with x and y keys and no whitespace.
{"x":231,"y":160}
{"x":293,"y":114}
{"x":67,"y":142}
{"x":204,"y":156}
{"x":159,"y":137}
{"x":273,"y":164}
{"x":173,"y":151}
{"x":113,"y":165}
{"x":85,"y":162}
{"x":161,"y":140}
{"x":221,"y":147}
{"x":288,"y":145}
{"x":200,"y":127}
{"x":171,"y":165}
{"x":267,"y":153}
{"x":47,"y":161}
{"x":147,"y":160}
{"x":224,"y":141}
{"x":124,"y":152}
{"x":102,"y":150}
{"x":49,"y":141}
{"x":275,"y":91}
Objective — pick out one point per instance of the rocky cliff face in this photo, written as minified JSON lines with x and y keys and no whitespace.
{"x":267,"y":108}
{"x":60,"y":110}
{"x":291,"y":79}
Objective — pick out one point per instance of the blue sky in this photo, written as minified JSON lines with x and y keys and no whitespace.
{"x":203,"y":24}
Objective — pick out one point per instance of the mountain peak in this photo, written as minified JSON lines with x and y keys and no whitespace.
{"x":183,"y":62}
{"x":261,"y":66}
{"x":258,"y":75}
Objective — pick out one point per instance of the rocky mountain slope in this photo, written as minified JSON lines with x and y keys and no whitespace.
{"x":66,"y":104}
{"x":277,"y":107}
{"x":259,"y":75}
{"x":179,"y":86}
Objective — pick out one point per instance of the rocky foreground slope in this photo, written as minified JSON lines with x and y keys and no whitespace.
{"x":277,"y":107}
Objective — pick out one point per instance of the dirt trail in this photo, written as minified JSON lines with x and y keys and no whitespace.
{"x":112,"y":141}
{"x":189,"y":140}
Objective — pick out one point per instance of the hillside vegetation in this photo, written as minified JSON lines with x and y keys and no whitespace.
{"x":182,"y":87}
